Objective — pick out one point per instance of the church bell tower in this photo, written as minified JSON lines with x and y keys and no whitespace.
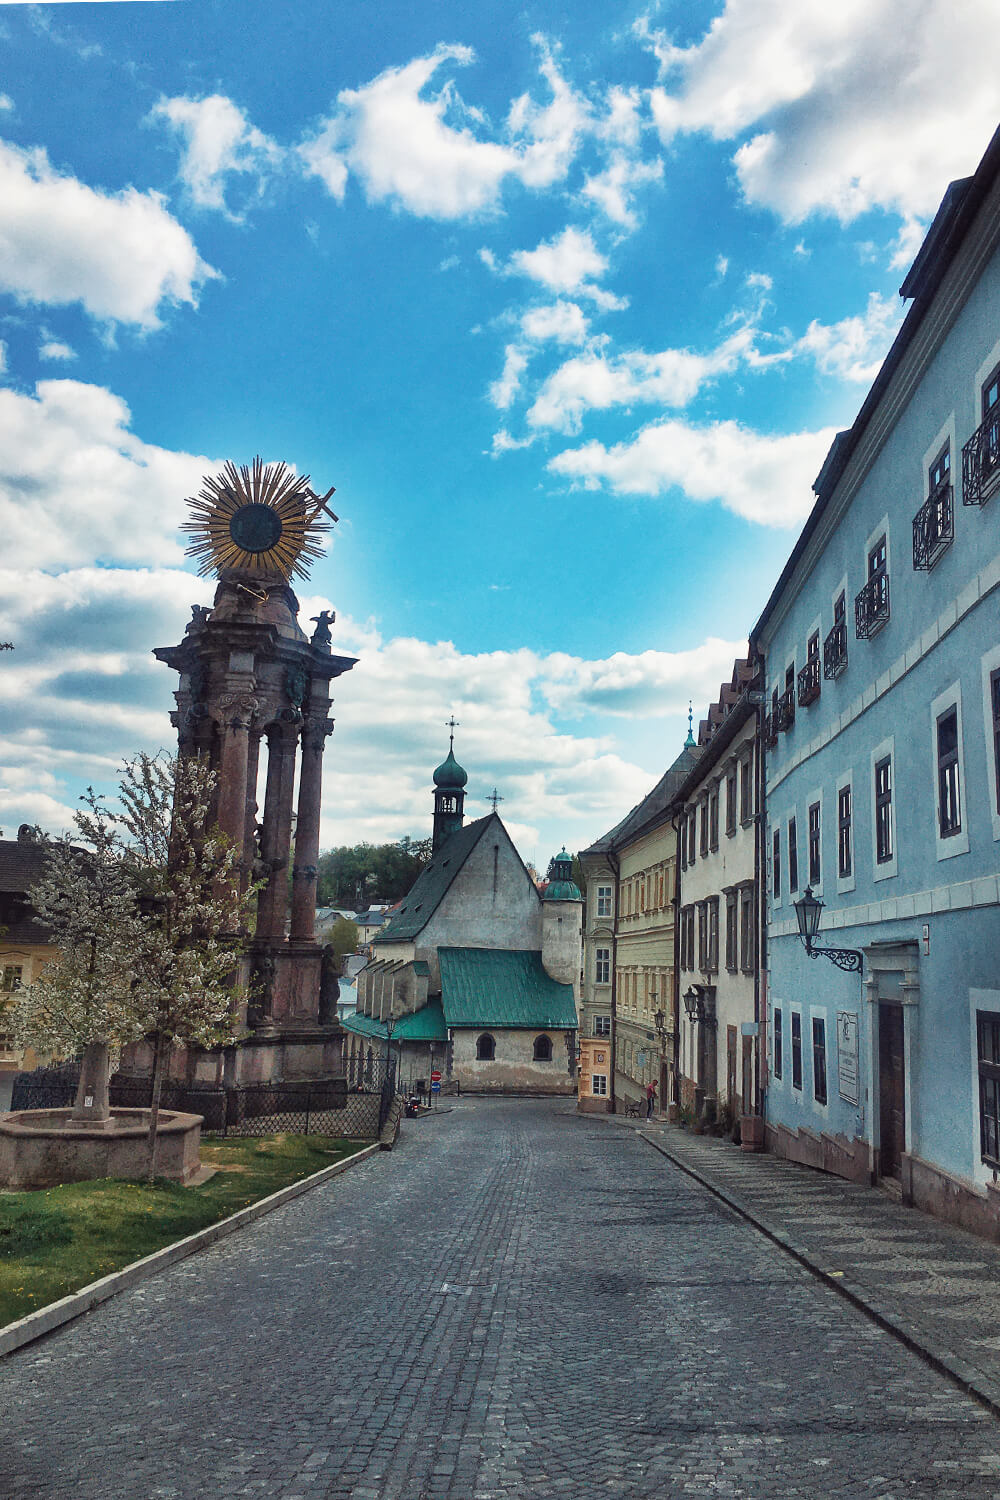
{"x":449,"y":793}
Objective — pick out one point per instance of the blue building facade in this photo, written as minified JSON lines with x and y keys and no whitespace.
{"x":881,"y":647}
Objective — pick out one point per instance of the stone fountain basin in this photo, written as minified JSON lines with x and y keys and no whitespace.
{"x":41,"y":1148}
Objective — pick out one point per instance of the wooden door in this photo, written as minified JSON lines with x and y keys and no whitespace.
{"x":748,"y":1100}
{"x":892,"y":1090}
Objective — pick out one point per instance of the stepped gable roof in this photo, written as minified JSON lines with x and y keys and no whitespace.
{"x":497,"y":988}
{"x":433,"y":883}
{"x":653,"y":806}
{"x":423,"y":1025}
{"x":725,"y":719}
{"x":959,"y":207}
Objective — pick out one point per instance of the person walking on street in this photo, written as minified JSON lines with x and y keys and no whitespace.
{"x":650,"y":1100}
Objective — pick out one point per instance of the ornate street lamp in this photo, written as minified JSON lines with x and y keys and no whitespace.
{"x":808,"y":910}
{"x":697,"y":1010}
{"x":390,"y":1027}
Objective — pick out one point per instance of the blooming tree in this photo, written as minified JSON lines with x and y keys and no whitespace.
{"x":168,"y":952}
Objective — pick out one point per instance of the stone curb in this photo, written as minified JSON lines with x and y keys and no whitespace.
{"x":37,"y":1324}
{"x":944,"y":1361}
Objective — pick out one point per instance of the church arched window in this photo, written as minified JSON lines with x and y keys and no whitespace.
{"x":543,"y":1049}
{"x":486,"y":1048}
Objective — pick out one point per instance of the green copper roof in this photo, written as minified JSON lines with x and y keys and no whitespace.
{"x":450,"y":774}
{"x":423,"y":1025}
{"x":562,"y":890}
{"x":491,"y":987}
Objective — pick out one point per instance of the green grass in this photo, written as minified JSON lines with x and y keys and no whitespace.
{"x":56,"y":1240}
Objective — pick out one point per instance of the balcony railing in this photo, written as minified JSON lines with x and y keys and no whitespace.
{"x":809,"y":682}
{"x":770,"y":733}
{"x":835,"y":651}
{"x":784,"y":712}
{"x":871,"y":607}
{"x":934,"y":527}
{"x":981,"y":462}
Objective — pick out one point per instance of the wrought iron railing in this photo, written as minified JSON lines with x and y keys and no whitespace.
{"x":835,"y":651}
{"x":770,"y":733}
{"x":981,"y":462}
{"x":784,"y":712}
{"x":318,"y":1108}
{"x":809,"y":682}
{"x":934,"y":527}
{"x":871,"y":607}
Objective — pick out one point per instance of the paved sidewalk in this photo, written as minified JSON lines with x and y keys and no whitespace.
{"x":936,"y":1286}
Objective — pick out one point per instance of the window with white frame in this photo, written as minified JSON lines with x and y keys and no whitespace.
{"x":796,"y":1049}
{"x":602,"y":965}
{"x":604,"y":901}
{"x":819,"y":1058}
{"x":602,"y":1025}
{"x":748,"y":929}
{"x":746,"y":791}
{"x":599,"y":1084}
{"x":949,"y":790}
{"x":793,"y":856}
{"x":845,"y":832}
{"x":776,"y":866}
{"x":815,"y":846}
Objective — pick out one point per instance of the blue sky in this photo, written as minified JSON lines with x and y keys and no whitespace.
{"x":567,"y":307}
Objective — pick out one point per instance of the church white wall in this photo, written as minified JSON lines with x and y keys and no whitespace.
{"x":561,"y":942}
{"x":513,"y":1067}
{"x":491,"y":904}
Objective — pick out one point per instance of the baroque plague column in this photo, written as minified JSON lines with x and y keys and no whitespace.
{"x":254,"y":697}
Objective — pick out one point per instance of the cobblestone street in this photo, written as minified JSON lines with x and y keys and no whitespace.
{"x":517,"y":1302}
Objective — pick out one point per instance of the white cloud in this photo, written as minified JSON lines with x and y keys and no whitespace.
{"x":504,"y":390}
{"x":121,"y":255}
{"x":596,"y":381}
{"x":218,"y":141}
{"x":76,"y":485}
{"x":428,"y":152}
{"x":857,"y":106}
{"x":766,"y":479}
{"x":6,"y":103}
{"x":503,"y":442}
{"x":649,"y":684}
{"x":51,"y":348}
{"x":613,"y":190}
{"x":854,"y":348}
{"x":563,"y":264}
{"x":564,"y":322}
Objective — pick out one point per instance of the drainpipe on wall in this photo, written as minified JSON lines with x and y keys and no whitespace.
{"x":615,"y":870}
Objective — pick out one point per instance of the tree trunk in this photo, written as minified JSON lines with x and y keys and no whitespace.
{"x":159,"y":1061}
{"x":91,"y":1107}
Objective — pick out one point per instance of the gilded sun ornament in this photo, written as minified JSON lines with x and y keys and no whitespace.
{"x":258,"y":518}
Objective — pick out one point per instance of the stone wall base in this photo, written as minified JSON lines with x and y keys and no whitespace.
{"x":590,"y":1104}
{"x":302,"y":1054}
{"x":850,"y":1159}
{"x":38,"y":1149}
{"x":947,"y":1198}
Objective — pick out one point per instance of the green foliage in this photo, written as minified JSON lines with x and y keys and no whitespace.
{"x":355,"y":877}
{"x":343,"y":937}
{"x":579,"y":878}
{"x":54,"y":1242}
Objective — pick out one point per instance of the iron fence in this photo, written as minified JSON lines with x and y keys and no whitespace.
{"x":317,"y":1108}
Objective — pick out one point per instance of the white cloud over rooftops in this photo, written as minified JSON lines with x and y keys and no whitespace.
{"x":121,"y":255}
{"x":845,"y":107}
{"x":765,"y":479}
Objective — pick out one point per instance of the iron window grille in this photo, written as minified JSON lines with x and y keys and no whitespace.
{"x":770,"y":732}
{"x":835,"y":645}
{"x":981,"y":454}
{"x":784,"y":714}
{"x":819,"y":1059}
{"x":988,"y":1036}
{"x":934,"y":526}
{"x":871,"y":607}
{"x":809,"y":680}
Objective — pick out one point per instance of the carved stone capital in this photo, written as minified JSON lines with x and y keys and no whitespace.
{"x":304,"y":872}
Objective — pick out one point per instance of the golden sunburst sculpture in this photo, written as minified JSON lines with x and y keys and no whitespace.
{"x":258,"y":518}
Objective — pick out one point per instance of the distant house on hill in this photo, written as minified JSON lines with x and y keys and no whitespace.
{"x":477,"y":972}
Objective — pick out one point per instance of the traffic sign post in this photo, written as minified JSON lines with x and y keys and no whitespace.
{"x":435,"y":1088}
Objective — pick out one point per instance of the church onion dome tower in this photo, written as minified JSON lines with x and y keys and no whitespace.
{"x":449,"y":794}
{"x":562,"y":886}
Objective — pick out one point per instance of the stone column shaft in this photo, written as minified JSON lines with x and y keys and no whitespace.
{"x":307,"y":833}
{"x":276,"y":835}
{"x":233,"y":768}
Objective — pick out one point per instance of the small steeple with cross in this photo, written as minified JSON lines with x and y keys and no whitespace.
{"x":494,"y":797}
{"x":690,"y":739}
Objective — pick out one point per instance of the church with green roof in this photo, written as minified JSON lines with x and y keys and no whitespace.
{"x":477,"y":971}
